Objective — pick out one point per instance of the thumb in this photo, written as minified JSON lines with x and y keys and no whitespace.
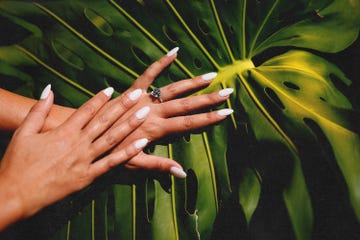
{"x":36,"y":117}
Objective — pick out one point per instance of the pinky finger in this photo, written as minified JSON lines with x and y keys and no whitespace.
{"x":112,"y":160}
{"x":196,"y":121}
{"x":152,"y":162}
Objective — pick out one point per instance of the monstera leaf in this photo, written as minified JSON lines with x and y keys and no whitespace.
{"x":258,"y":174}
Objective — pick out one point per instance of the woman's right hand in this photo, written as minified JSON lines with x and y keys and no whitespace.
{"x":174,"y":114}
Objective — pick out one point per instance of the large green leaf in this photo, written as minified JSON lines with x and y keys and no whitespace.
{"x":289,"y":116}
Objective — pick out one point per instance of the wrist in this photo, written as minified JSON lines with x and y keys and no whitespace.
{"x":11,"y":202}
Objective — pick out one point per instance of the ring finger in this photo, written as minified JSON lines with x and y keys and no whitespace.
{"x":184,"y":86}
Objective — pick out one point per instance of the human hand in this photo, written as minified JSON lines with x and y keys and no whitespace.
{"x":171,"y":115}
{"x":40,"y":168}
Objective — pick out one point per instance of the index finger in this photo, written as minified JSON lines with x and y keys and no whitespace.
{"x":89,"y":109}
{"x":145,"y":79}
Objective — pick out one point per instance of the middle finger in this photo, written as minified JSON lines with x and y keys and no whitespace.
{"x":110,"y":113}
{"x":118,"y":132}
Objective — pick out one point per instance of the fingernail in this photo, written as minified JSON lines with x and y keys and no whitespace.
{"x":141,"y":143}
{"x":172,"y":51}
{"x":226,"y":92}
{"x":225,"y":112}
{"x":209,"y":76}
{"x":134,"y":95}
{"x":141,"y":114}
{"x":177,"y":172}
{"x":108,"y":91}
{"x":45,"y":92}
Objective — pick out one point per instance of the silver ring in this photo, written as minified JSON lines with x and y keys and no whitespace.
{"x":156,"y":93}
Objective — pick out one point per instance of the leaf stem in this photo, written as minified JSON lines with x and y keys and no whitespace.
{"x":221,"y":29}
{"x":87,"y":41}
{"x":173,"y":202}
{"x":193,"y":36}
{"x":149,"y":35}
{"x":133,"y":203}
{"x":54,"y":71}
{"x":260,"y":29}
{"x":212,"y":169}
{"x":267,"y":114}
{"x":243,"y":42}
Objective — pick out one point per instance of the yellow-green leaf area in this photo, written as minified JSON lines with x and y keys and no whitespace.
{"x":99,"y":22}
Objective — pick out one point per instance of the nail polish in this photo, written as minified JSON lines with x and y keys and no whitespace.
{"x":134,"y":95}
{"x":226,"y":92}
{"x":225,"y":112}
{"x":172,"y":51}
{"x":141,"y":143}
{"x":108,"y":91}
{"x":209,"y":76}
{"x":141,"y":114}
{"x":177,"y":172}
{"x":45,"y":93}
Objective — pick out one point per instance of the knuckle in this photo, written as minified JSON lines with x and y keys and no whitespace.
{"x":103,"y":119}
{"x":36,"y":109}
{"x":162,"y":61}
{"x":188,"y":122}
{"x":151,"y":71}
{"x":186,"y":104}
{"x":153,"y":129}
{"x":129,"y":152}
{"x":90,"y":109}
{"x":125,"y":102}
{"x":112,"y":163}
{"x":209,"y":116}
{"x":172,"y":88}
{"x":110,"y":139}
{"x":214,"y":97}
{"x":160,"y":165}
{"x":133,"y":123}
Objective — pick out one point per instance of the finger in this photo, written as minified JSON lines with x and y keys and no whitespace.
{"x":151,"y":162}
{"x":118,"y":132}
{"x":155,"y":69}
{"x":191,"y":122}
{"x":36,"y":117}
{"x":114,"y":159}
{"x":184,"y":86}
{"x":88,"y":110}
{"x":186,"y":105}
{"x":111,"y":112}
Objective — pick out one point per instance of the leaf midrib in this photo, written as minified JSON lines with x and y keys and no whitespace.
{"x":260,"y":29}
{"x":306,"y":109}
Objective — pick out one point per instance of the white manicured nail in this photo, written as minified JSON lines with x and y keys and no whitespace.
{"x":108,"y":91}
{"x":141,"y":143}
{"x":134,"y":95}
{"x":172,"y":51}
{"x":141,"y":114}
{"x":209,"y":76}
{"x":45,"y":92}
{"x":177,"y":172}
{"x":225,"y":112}
{"x":226,"y":92}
